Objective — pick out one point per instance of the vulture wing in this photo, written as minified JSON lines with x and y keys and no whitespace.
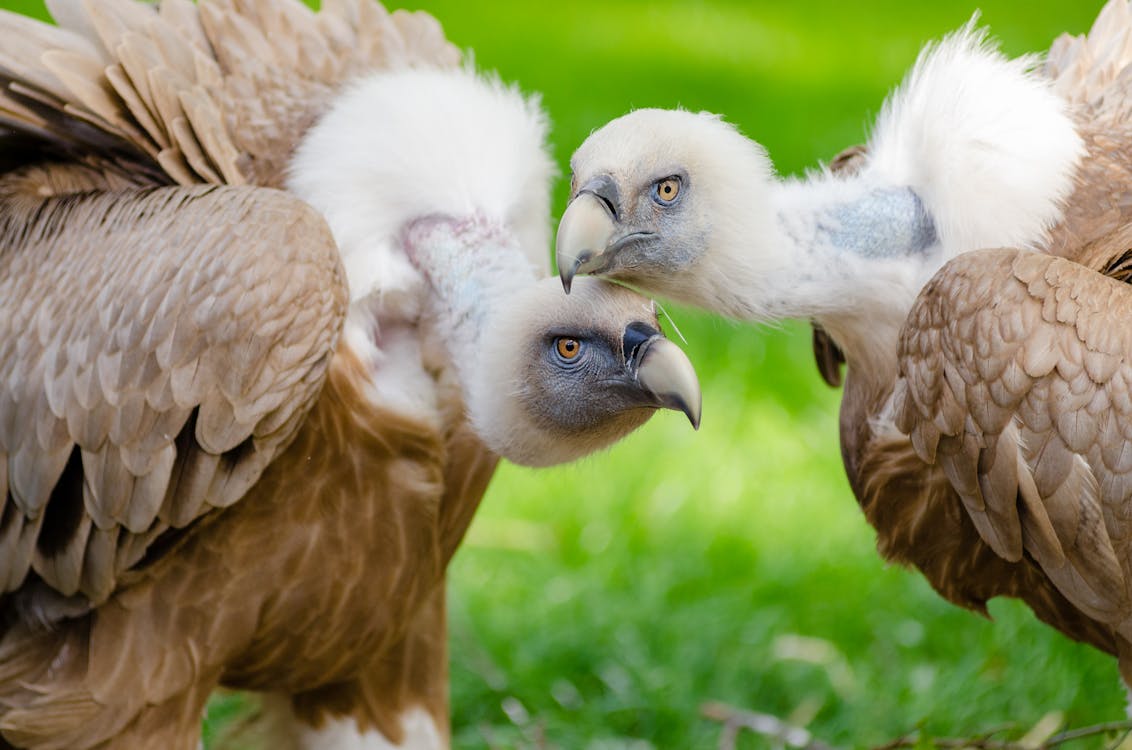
{"x":158,"y":348}
{"x":183,"y":94}
{"x":1016,"y":378}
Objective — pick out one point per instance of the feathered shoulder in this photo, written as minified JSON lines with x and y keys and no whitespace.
{"x":219,"y":92}
{"x":1091,"y":71}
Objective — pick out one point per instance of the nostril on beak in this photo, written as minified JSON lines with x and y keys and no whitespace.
{"x":608,"y":205}
{"x":605,"y":190}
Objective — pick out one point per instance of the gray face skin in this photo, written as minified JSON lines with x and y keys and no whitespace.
{"x":614,"y":373}
{"x":625,"y":229}
{"x":577,"y":373}
{"x":635,"y":210}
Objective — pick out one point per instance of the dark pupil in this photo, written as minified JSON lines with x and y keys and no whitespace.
{"x":570,"y":347}
{"x":667,"y":189}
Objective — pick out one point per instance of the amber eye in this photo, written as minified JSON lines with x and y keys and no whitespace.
{"x":567,"y":348}
{"x":666,"y":190}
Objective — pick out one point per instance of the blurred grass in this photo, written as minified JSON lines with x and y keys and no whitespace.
{"x":598,"y":605}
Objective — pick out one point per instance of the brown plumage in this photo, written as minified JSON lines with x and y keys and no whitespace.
{"x":1014,"y":384}
{"x":988,"y":393}
{"x":221,"y":460}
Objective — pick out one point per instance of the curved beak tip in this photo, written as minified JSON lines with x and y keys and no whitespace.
{"x":667,"y":373}
{"x":694,"y":415}
{"x":567,"y":271}
{"x":692,"y":410}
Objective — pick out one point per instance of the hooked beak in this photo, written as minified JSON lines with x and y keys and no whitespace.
{"x":587,"y":229}
{"x":665,"y":372}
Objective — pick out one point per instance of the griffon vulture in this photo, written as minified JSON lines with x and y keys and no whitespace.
{"x":970,"y":263}
{"x":268,"y":318}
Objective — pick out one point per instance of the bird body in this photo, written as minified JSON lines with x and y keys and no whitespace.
{"x":982,"y":423}
{"x":254,"y":288}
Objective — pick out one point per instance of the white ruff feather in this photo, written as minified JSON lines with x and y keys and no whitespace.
{"x":986,"y":146}
{"x":421,"y":733}
{"x":398,"y":146}
{"x":983,"y":141}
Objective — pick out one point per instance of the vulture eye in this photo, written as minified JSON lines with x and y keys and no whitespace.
{"x":665,"y":191}
{"x":568,"y":349}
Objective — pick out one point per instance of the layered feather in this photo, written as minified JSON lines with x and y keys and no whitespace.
{"x":1013,"y":374}
{"x":1021,"y":403}
{"x":206,"y":373}
{"x":159,"y":385}
{"x":183,"y":94}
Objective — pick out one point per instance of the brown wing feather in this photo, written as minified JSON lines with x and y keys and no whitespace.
{"x":1015,"y":380}
{"x":920,"y":522}
{"x":1088,"y":70}
{"x":157,"y":349}
{"x":1094,"y":74}
{"x":216,"y":93}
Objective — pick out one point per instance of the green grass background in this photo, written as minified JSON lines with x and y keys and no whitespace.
{"x":598,"y":605}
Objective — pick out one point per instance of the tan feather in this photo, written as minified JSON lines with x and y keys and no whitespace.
{"x":18,"y":534}
{"x":216,"y":490}
{"x":128,"y":476}
{"x":1071,"y":357}
{"x":272,"y":65}
{"x":155,"y":138}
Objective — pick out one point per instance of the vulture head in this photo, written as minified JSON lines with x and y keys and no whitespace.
{"x":441,"y":212}
{"x":653,"y":198}
{"x":564,"y":376}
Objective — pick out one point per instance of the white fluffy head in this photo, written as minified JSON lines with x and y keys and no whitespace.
{"x":704,"y":242}
{"x":984,"y":142}
{"x":399,"y":145}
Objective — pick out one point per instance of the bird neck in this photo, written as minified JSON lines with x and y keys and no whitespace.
{"x":474,"y":267}
{"x":849,"y":253}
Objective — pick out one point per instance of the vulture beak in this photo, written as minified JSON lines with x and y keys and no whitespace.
{"x":587,"y":229}
{"x":664,"y":372}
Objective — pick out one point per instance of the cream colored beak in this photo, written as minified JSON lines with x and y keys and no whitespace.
{"x":584,"y":234}
{"x":666,"y":372}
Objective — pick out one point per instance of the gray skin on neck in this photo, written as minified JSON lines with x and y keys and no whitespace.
{"x":884,"y":223}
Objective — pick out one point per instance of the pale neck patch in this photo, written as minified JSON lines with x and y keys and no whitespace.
{"x":420,"y":733}
{"x":400,"y":145}
{"x":475,"y":268}
{"x":884,"y":223}
{"x":850,"y":253}
{"x":845,"y":247}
